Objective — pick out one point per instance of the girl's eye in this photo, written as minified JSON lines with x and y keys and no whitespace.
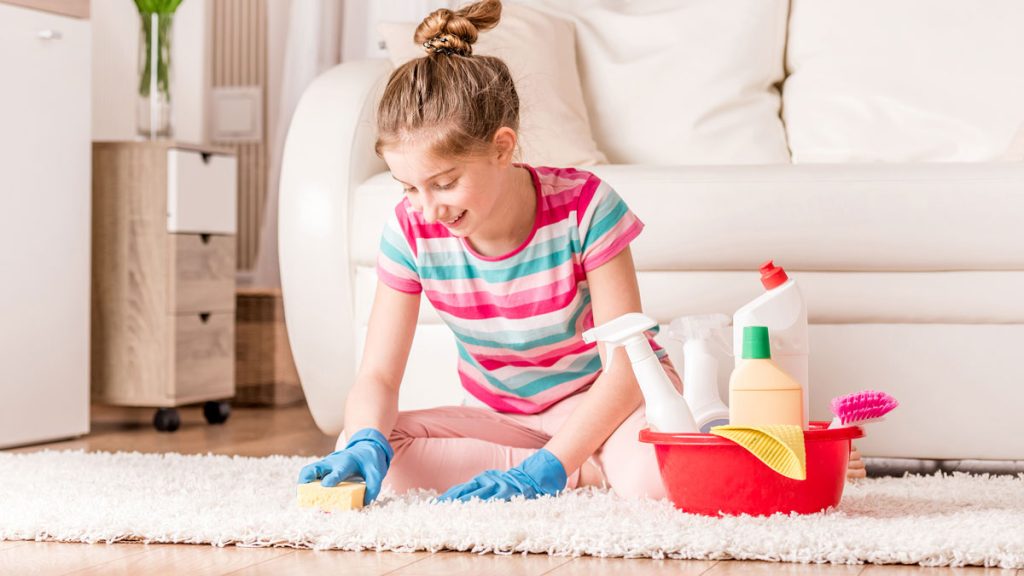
{"x":409,"y":190}
{"x":447,"y":186}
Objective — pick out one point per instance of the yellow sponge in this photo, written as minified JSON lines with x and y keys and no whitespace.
{"x":344,"y":496}
{"x":780,"y":446}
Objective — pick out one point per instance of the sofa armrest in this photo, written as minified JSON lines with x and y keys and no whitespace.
{"x":327,"y":153}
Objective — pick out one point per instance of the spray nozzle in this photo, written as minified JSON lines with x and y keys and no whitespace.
{"x":620,"y":332}
{"x":707,"y":327}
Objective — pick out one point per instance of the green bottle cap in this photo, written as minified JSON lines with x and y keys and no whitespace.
{"x":755,"y":343}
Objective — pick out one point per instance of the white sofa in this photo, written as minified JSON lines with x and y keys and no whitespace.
{"x":862,"y":145}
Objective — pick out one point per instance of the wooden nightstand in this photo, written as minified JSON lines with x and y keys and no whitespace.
{"x":163,"y":277}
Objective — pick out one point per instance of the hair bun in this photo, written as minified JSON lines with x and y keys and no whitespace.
{"x":446,"y":32}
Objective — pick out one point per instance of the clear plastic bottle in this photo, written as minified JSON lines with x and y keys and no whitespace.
{"x":783,"y":311}
{"x":700,"y":334}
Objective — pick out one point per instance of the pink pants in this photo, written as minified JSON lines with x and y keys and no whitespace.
{"x":438,"y":448}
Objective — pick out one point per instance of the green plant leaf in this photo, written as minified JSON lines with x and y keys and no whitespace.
{"x":158,"y":6}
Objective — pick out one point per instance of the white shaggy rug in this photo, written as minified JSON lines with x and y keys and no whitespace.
{"x":940,"y":520}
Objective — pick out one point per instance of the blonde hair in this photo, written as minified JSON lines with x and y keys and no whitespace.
{"x":449,"y":98}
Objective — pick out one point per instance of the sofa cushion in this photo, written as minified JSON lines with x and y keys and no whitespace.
{"x":682,"y":81}
{"x":867,"y":217}
{"x":915,"y":80}
{"x":540,"y":52}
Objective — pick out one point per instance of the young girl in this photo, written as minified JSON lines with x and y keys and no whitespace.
{"x":519,"y":261}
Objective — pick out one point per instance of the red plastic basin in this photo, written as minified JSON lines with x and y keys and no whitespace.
{"x":707,"y":474}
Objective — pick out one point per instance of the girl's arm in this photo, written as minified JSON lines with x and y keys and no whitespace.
{"x":615,"y":394}
{"x":373,"y":400}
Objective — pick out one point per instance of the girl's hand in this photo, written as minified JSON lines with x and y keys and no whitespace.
{"x":540,"y":474}
{"x":367,"y":455}
{"x":856,"y":467}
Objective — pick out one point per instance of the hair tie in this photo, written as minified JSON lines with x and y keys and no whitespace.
{"x":443,"y":43}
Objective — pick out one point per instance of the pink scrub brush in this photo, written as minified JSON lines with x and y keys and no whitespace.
{"x":860,"y":408}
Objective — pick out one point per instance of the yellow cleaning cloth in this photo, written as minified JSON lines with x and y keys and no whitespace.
{"x":779,"y":446}
{"x":344,"y":496}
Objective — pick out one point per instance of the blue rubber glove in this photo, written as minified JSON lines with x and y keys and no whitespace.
{"x":367,"y":455}
{"x":540,"y":474}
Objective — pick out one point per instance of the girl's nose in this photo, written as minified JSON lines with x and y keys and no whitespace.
{"x":429,"y":208}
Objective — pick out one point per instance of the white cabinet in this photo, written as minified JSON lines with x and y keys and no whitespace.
{"x":45,"y":169}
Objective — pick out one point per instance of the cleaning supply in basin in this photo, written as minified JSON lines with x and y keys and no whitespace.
{"x":700,"y":335}
{"x":714,"y":476}
{"x":783,"y":310}
{"x":780,"y":446}
{"x":665,"y":408}
{"x":761,"y":393}
{"x":861,"y":408}
{"x":344,"y":496}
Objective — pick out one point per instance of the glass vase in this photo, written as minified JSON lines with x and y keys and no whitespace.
{"x":153,"y":106}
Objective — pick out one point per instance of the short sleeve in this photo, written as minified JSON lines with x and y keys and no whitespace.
{"x":396,"y":264}
{"x":606,"y":224}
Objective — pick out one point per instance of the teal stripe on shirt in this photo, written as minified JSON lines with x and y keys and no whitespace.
{"x":600,"y":224}
{"x":590,"y":365}
{"x":526,"y":339}
{"x":557,"y":255}
{"x":392,"y":249}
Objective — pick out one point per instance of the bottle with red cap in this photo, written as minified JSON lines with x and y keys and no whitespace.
{"x":782,"y":309}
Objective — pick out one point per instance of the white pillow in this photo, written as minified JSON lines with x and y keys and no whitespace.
{"x":540,"y":52}
{"x":907,"y":81}
{"x":682,"y":81}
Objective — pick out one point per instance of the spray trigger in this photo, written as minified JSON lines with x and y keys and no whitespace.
{"x":609,"y":352}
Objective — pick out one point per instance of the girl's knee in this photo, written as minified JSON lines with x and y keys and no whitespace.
{"x":631,"y":467}
{"x":408,"y":426}
{"x":636,"y":484}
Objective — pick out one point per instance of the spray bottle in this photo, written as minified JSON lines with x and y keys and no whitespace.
{"x":666,"y":409}
{"x":783,"y":311}
{"x":700,"y":334}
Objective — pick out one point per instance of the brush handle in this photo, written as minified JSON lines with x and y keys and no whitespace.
{"x":837,"y":423}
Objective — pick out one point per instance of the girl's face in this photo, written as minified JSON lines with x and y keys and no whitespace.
{"x":461,"y":194}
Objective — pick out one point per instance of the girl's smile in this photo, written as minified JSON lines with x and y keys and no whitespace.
{"x":454,"y":222}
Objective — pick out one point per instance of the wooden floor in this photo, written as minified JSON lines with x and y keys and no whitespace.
{"x":260,"y":432}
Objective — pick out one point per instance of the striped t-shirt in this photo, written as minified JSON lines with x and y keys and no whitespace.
{"x":518,"y":319}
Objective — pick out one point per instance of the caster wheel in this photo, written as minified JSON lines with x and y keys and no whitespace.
{"x":166,"y":419}
{"x":216,"y":412}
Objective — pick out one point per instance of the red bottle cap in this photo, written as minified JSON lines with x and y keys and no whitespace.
{"x":772,"y":276}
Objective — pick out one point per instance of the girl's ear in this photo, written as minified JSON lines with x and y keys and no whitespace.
{"x":505,"y":140}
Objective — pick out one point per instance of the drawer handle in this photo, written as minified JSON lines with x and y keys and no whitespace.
{"x":204,"y":317}
{"x":50,"y":34}
{"x":206,"y":157}
{"x":204,"y":238}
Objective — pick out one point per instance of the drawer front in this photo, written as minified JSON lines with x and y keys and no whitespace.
{"x":201,"y":192}
{"x":202,"y":273}
{"x":204,"y":356}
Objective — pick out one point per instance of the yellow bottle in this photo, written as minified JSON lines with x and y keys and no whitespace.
{"x":760,"y":393}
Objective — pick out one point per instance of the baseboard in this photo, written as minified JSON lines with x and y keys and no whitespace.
{"x":877,"y":467}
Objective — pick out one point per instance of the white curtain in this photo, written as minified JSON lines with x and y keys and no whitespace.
{"x":313,"y":36}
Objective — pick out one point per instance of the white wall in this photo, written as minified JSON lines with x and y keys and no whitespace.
{"x":359,"y":35}
{"x":115,"y":34}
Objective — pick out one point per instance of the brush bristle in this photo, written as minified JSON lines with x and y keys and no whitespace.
{"x":861,"y":406}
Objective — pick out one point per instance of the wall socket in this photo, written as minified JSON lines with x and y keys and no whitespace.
{"x":236,"y":114}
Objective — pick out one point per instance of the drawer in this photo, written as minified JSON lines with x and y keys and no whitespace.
{"x":203,"y":356}
{"x":202,"y":192}
{"x":201,"y":273}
